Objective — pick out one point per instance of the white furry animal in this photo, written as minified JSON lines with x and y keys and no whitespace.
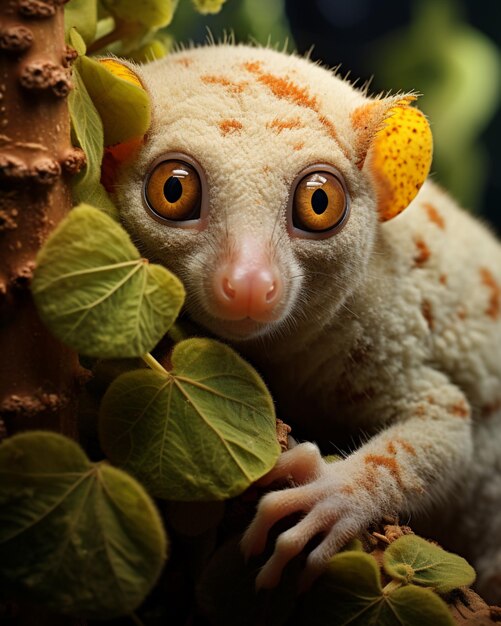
{"x":267,"y":184}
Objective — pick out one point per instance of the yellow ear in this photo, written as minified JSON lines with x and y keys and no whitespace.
{"x":121,"y":71}
{"x":398,"y":154}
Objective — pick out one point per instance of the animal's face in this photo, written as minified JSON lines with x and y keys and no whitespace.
{"x":250,"y":186}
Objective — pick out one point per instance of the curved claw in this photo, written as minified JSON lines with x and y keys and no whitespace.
{"x":273,"y":507}
{"x":290,"y":543}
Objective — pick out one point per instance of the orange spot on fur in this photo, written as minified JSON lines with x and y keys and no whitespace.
{"x":423,"y":253}
{"x":286,"y":89}
{"x":495,"y":298}
{"x":229,"y":126}
{"x":329,"y":127}
{"x":443,"y":279}
{"x":363,"y":122}
{"x":266,"y":169}
{"x":279,"y":125}
{"x":253,"y":66}
{"x":406,"y":446}
{"x":347,"y":489}
{"x":298,"y":146}
{"x":462,"y":313}
{"x":390,"y":446}
{"x":391,"y":464}
{"x":231,"y":86}
{"x":184,"y":62}
{"x":459,"y":409}
{"x":426,"y":310}
{"x":434,"y":215}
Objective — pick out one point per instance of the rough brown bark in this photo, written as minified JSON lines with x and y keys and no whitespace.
{"x":37,"y":373}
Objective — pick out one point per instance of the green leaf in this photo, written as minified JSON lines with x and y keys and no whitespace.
{"x":413,"y":606}
{"x":206,"y":431}
{"x":82,"y":15}
{"x":124,"y":107}
{"x":350,"y":593}
{"x":150,"y":13}
{"x":79,"y":537}
{"x":77,"y":41}
{"x":96,"y":293}
{"x":413,"y":559}
{"x":87,"y":131}
{"x":208,"y":6}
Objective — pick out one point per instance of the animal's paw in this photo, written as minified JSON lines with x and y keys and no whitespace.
{"x":332,"y":508}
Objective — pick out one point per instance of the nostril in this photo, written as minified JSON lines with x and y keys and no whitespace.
{"x":272,"y":292}
{"x":228,"y":289}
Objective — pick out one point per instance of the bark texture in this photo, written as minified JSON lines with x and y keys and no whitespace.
{"x":37,"y":373}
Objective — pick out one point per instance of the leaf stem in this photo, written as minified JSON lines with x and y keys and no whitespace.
{"x":392,"y":586}
{"x":151,"y":362}
{"x":122,"y":30}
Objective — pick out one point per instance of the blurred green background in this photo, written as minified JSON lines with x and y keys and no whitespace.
{"x":447,"y":50}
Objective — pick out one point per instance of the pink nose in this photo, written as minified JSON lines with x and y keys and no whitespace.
{"x":247,"y":291}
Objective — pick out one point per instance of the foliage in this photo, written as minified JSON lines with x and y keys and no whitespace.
{"x":349,"y":592}
{"x":80,"y":537}
{"x":96,"y":293}
{"x":203,"y":431}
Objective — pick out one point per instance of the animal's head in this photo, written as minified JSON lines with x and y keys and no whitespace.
{"x":262,"y":183}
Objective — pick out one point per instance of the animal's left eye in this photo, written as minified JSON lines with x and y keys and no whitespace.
{"x":173,"y":191}
{"x":319,"y":205}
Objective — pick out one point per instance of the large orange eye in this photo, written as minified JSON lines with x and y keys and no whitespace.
{"x":319,"y":203}
{"x":173,"y":191}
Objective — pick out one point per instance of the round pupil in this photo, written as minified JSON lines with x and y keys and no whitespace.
{"x":173,"y":189}
{"x":319,"y":201}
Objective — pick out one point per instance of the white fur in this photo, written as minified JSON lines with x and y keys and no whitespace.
{"x":373,"y":342}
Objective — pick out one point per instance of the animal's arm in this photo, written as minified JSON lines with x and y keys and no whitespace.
{"x":403,"y":468}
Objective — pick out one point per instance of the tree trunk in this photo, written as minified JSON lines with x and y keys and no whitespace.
{"x":37,"y":373}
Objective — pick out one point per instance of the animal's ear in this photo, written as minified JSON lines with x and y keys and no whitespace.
{"x":121,"y":144}
{"x":394,"y":143}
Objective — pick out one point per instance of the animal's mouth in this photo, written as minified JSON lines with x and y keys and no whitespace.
{"x":241,"y":330}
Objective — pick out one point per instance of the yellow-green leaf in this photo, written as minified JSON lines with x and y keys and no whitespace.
{"x":350,"y":593}
{"x":87,"y":132}
{"x":150,"y":13}
{"x":96,"y":293}
{"x":415,"y":560}
{"x":124,"y":107}
{"x":81,"y":538}
{"x":205,"y":431}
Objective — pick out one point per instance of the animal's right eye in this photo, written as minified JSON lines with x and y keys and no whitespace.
{"x":173,"y":191}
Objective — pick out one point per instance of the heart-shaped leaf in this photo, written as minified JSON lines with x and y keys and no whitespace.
{"x":96,"y":293}
{"x":415,"y":560}
{"x":123,"y":105}
{"x":82,"y":538}
{"x":205,"y":431}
